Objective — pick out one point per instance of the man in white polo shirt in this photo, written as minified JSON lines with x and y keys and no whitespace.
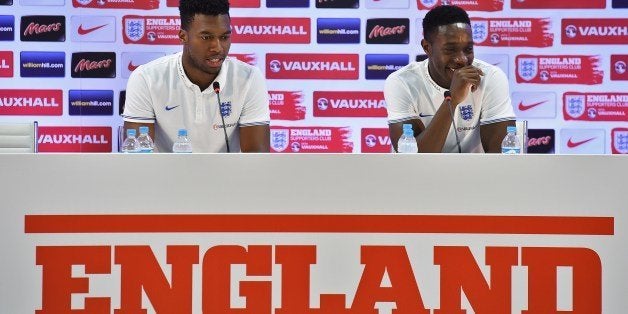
{"x":177,"y":91}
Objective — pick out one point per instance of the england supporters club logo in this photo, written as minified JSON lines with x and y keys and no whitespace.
{"x":528,"y":68}
{"x":134,"y":29}
{"x":279,"y":139}
{"x":574,"y":105}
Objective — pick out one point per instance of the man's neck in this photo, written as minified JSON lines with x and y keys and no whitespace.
{"x":199,"y":78}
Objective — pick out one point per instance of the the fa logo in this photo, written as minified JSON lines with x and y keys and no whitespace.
{"x":225,"y":109}
{"x":466,"y":112}
{"x":279,"y":139}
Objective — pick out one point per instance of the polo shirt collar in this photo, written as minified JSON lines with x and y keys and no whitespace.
{"x":221,"y":78}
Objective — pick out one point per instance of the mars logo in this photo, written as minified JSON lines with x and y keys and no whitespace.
{"x":387,"y":31}
{"x":349,"y":104}
{"x":79,"y":139}
{"x":619,"y":137}
{"x":270,"y":30}
{"x":311,"y":66}
{"x":42,"y":28}
{"x":27,"y":102}
{"x":571,"y":31}
{"x":595,"y":31}
{"x":527,"y":68}
{"x":375,"y":140}
{"x":94,"y":65}
{"x":6,"y":63}
{"x":574,"y":105}
{"x":541,"y":141}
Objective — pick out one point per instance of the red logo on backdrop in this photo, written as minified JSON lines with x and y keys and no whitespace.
{"x":249,"y":58}
{"x":286,"y":105}
{"x":310,"y":139}
{"x":312,"y":66}
{"x":270,"y":30}
{"x":559,"y":69}
{"x":619,"y":67}
{"x":6,"y":63}
{"x":619,"y":140}
{"x":232,"y":3}
{"x":558,"y":4}
{"x":151,"y":30}
{"x":478,"y":5}
{"x":512,"y":32}
{"x":349,"y":104}
{"x":595,"y":106}
{"x":375,"y":140}
{"x":109,"y":4}
{"x":74,"y":139}
{"x":595,"y":31}
{"x":31,"y":102}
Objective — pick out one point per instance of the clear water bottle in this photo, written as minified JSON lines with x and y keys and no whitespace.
{"x":182,"y":144}
{"x":407,"y":141}
{"x":146,"y":143}
{"x":130,"y":144}
{"x":510,"y":144}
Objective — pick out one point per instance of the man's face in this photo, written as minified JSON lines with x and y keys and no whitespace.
{"x":451,"y":48}
{"x":206,"y":42}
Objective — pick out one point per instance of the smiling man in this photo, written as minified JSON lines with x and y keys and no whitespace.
{"x":480,"y":101}
{"x":179,"y":91}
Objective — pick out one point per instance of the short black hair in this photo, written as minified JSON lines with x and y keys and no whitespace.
{"x":443,"y":15}
{"x":189,"y":8}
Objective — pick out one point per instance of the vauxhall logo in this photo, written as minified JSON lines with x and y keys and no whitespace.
{"x":277,"y":66}
{"x":269,"y":30}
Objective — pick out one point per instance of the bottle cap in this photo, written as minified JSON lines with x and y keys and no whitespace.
{"x":511,"y":128}
{"x":183,"y":132}
{"x":407,"y":126}
{"x":130,"y":132}
{"x":143,"y":130}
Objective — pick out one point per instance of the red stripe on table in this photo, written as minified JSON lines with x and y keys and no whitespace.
{"x":320,"y":224}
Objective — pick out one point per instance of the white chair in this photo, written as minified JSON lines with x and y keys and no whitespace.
{"x":18,"y":137}
{"x":522,"y":134}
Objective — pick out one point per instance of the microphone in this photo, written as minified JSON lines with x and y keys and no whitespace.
{"x":451,"y":115}
{"x":216,"y":87}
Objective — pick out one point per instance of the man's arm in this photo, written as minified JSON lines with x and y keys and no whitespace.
{"x":255,"y":139}
{"x":493,"y":134}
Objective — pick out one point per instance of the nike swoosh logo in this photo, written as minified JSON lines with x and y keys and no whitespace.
{"x":572,"y":144}
{"x":85,"y":31}
{"x":132,"y":66}
{"x":524,"y":107}
{"x":170,"y":108}
{"x":422,"y":115}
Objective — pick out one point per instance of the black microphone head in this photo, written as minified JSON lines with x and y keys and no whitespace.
{"x":447,"y":94}
{"x":216,"y":86}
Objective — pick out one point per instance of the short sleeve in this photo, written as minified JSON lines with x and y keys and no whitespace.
{"x":138,"y":105}
{"x":399,"y":102}
{"x":255,"y":109}
{"x":497,"y":106}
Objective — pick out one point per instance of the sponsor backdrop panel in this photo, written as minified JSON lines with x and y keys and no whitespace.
{"x":325,"y":62}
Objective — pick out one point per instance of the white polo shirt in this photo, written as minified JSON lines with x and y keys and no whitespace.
{"x":159,"y":92}
{"x":411,"y":93}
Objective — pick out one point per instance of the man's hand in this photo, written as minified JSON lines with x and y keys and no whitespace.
{"x":461,"y":80}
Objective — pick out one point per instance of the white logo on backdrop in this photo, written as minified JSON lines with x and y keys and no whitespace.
{"x":134,"y":29}
{"x":527,"y":68}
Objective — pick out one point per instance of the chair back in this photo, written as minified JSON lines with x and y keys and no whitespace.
{"x":18,"y":137}
{"x":522,"y":134}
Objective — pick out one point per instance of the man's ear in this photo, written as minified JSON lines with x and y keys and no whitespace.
{"x":183,"y":36}
{"x":426,"y":47}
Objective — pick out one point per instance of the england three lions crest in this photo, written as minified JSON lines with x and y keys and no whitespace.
{"x":480,"y":31}
{"x":225,"y":108}
{"x":134,"y":29}
{"x":527,"y":68}
{"x":279,"y":139}
{"x":574,"y":105}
